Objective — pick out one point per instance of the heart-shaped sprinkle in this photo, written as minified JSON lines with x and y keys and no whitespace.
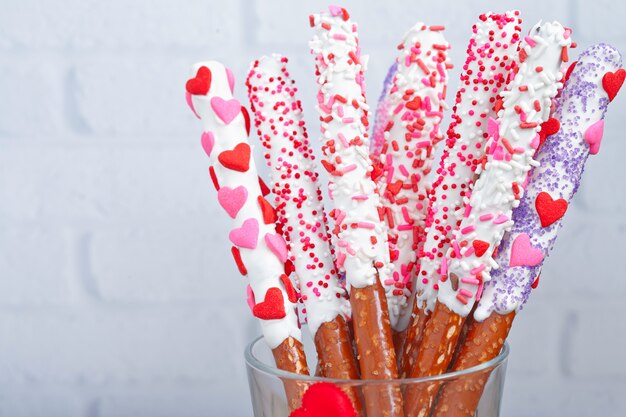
{"x":231,"y":80}
{"x":612,"y":82}
{"x":250,"y":297}
{"x":246,"y":119}
{"x":232,"y":199}
{"x":535,"y":283}
{"x":247,"y":235}
{"x":201,"y":83}
{"x":548,"y":128}
{"x":216,"y":183}
{"x":208,"y":141}
{"x":292,"y":295}
{"x":493,"y":128}
{"x":324,"y":399}
{"x":568,"y":73}
{"x":523,"y":253}
{"x":269,"y":214}
{"x":190,"y":103}
{"x":240,"y":265}
{"x":273,"y":307}
{"x":414,"y":104}
{"x":277,"y":244}
{"x":265,"y":190}
{"x":237,"y":159}
{"x":549,"y":210}
{"x":480,"y":247}
{"x":289,"y":267}
{"x":226,"y":110}
{"x":593,"y":136}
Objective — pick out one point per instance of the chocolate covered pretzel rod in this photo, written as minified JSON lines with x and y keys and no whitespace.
{"x":415,"y":109}
{"x":580,"y":109}
{"x":491,"y":59}
{"x":281,"y":128}
{"x":361,"y":234}
{"x":487,"y":215}
{"x":260,"y":252}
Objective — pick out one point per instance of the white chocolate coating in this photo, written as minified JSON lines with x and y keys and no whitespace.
{"x":361,"y":244}
{"x":511,"y":146}
{"x":492,"y":55}
{"x":263,"y":265}
{"x":294,"y":181}
{"x":414,"y":111}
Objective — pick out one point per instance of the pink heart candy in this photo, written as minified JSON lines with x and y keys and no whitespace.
{"x":190,"y":103}
{"x":245,"y":236}
{"x":207,"y":140}
{"x":231,"y":80}
{"x":232,"y":199}
{"x":593,"y":136}
{"x":523,"y":253}
{"x":250,"y":297}
{"x":335,"y":10}
{"x":493,"y":128}
{"x":226,"y":110}
{"x":277,"y":244}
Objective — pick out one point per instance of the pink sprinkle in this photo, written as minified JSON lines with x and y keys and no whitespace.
{"x":349,"y":168}
{"x":341,"y":258}
{"x":340,"y":215}
{"x":478,"y":269}
{"x":467,"y":211}
{"x":403,"y":170}
{"x":366,"y":225}
{"x":461,"y":299}
{"x":407,"y":60}
{"x":457,"y":250}
{"x":340,"y":111}
{"x":416,"y":134}
{"x":530,"y":41}
{"x":470,"y":280}
{"x":444,"y":266}
{"x":500,"y":219}
{"x":425,"y":281}
{"x":479,"y":292}
{"x":468,"y":229}
{"x":347,"y":120}
{"x":351,"y":251}
{"x":465,"y":293}
{"x":434,"y":114}
{"x":405,"y":214}
{"x":427,"y":104}
{"x":342,"y":243}
{"x":339,"y":36}
{"x":343,"y":140}
{"x":405,"y":227}
{"x":360,"y":197}
{"x":426,"y":82}
{"x":485,"y":217}
{"x":389,"y":282}
{"x":469,"y":251}
{"x":423,"y":144}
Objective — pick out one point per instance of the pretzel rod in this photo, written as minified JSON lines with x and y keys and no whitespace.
{"x":415,"y":107}
{"x":489,"y":63}
{"x":280,"y":125}
{"x":580,"y":108}
{"x":260,"y":253}
{"x":362,"y":250}
{"x":381,"y":118}
{"x":513,"y":140}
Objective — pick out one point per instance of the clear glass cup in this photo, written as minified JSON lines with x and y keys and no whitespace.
{"x":268,"y":393}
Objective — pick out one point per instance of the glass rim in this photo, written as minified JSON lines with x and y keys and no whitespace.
{"x":257,"y":364}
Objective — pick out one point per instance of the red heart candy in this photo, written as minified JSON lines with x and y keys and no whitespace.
{"x":272,"y":308}
{"x":549,"y":210}
{"x":240,"y":265}
{"x":480,"y":247}
{"x":292,"y":295}
{"x":238,"y":159}
{"x":612,"y":82}
{"x":548,"y":128}
{"x":201,"y":83}
{"x":269,"y":215}
{"x":324,"y":399}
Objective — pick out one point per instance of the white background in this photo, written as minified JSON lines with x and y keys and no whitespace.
{"x":118,"y":295}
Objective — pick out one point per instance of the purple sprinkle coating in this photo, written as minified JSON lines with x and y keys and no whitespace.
{"x":562,"y":158}
{"x":380,"y":121}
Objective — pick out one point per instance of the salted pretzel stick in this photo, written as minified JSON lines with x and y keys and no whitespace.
{"x":487,"y":215}
{"x":260,"y":252}
{"x":361,"y":234}
{"x":281,"y":128}
{"x":580,"y":109}
{"x":415,"y":107}
{"x":489,"y":64}
{"x":381,"y":118}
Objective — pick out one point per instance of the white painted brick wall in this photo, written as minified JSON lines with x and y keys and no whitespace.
{"x":118,"y":296}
